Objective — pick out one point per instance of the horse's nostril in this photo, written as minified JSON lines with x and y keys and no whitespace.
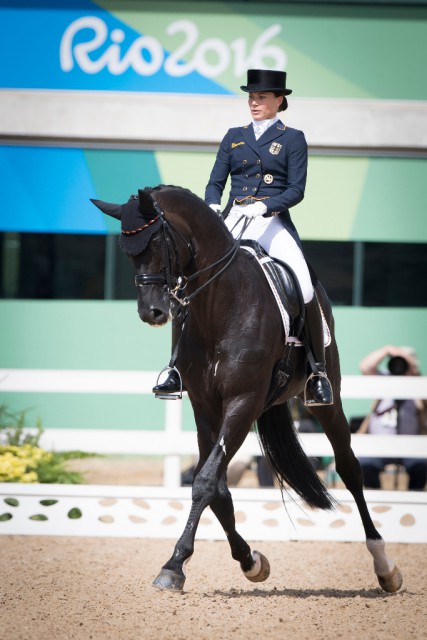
{"x":153,"y":315}
{"x":157,"y":313}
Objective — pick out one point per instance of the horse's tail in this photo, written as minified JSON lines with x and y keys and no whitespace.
{"x":287,"y":459}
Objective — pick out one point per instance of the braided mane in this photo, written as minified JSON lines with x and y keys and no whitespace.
{"x":172,"y":187}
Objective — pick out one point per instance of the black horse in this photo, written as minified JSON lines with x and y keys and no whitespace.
{"x":231,"y":350}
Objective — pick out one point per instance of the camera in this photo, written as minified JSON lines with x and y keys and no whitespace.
{"x":397,"y":366}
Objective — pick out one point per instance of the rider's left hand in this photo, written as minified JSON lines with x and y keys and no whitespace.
{"x":254,"y":210}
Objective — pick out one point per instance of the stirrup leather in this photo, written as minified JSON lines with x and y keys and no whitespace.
{"x":169,"y":396}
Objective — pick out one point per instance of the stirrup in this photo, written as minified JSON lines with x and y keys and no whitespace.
{"x":309,"y":397}
{"x":169,"y":396}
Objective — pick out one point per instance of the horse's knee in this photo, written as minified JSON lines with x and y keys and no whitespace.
{"x":205,"y":488}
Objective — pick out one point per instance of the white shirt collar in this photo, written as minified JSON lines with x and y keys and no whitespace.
{"x":262,"y":125}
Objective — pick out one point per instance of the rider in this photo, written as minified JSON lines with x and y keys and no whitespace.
{"x":267,"y":161}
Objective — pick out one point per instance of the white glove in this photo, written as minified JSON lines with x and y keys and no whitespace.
{"x":254,"y":210}
{"x":216,"y":208}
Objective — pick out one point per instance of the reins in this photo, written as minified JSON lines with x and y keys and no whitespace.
{"x":176,"y":285}
{"x":229,"y":256}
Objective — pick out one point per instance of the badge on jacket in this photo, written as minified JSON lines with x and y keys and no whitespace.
{"x":275,"y":148}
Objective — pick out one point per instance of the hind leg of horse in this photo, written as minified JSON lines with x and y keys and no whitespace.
{"x":335,"y":425}
{"x":254,"y":564}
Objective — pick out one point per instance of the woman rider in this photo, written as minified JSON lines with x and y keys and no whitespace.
{"x":267,"y":162}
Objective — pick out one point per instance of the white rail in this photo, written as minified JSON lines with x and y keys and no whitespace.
{"x":130,"y":382}
{"x":172,"y":442}
{"x":161,"y":511}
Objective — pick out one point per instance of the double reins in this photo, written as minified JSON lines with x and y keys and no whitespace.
{"x":177,"y":285}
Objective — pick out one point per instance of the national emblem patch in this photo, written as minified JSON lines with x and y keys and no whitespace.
{"x":275,"y":148}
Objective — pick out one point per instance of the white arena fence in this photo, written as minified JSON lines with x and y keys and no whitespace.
{"x":142,"y":511}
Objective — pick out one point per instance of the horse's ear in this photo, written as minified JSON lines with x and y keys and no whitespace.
{"x":146,"y":202}
{"x":111,"y":209}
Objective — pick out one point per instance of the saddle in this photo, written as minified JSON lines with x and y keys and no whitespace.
{"x":285,"y":287}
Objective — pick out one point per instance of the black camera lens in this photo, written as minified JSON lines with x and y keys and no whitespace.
{"x":397,"y":366}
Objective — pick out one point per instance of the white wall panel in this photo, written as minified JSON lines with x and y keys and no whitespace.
{"x":200,"y":120}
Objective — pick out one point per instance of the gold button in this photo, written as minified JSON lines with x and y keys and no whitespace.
{"x":245,"y":162}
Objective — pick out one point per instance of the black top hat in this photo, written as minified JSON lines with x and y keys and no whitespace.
{"x":266,"y":80}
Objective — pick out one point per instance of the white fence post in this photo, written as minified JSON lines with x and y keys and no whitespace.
{"x":173,"y":427}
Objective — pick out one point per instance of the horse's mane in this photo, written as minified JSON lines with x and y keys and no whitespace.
{"x":173,"y":187}
{"x":196,"y":200}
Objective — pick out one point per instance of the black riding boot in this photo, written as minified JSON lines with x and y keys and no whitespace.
{"x":318,"y":389}
{"x":173,"y":383}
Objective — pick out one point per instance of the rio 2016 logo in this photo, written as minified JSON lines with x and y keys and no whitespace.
{"x":145,"y":55}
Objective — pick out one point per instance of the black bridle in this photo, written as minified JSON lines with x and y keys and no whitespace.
{"x":176,"y":284}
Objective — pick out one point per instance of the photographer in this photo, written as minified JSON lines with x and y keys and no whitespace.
{"x":394,"y":417}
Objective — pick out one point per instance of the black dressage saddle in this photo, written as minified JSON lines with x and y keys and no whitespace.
{"x":285,"y":282}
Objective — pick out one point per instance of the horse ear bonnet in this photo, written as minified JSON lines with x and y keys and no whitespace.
{"x":140,"y":221}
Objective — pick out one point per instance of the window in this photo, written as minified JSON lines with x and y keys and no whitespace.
{"x":333,"y":265}
{"x":64,"y":267}
{"x":93,"y":267}
{"x":393,"y":275}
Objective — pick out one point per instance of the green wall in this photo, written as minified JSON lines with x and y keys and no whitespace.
{"x":109,"y":335}
{"x":347,"y":197}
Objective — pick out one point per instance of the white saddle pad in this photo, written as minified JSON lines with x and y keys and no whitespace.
{"x":283,"y":313}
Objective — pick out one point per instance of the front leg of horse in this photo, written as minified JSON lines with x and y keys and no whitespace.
{"x":172,"y":575}
{"x":254,"y":564}
{"x":208,"y":490}
{"x":204,"y":491}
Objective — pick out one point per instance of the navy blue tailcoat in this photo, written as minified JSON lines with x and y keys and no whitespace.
{"x":273,"y":167}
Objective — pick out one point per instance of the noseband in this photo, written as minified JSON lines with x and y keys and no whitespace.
{"x":176,"y":284}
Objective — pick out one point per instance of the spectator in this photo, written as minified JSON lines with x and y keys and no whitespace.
{"x":394,"y":417}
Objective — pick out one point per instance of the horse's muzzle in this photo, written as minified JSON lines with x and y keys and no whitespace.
{"x":153,"y":315}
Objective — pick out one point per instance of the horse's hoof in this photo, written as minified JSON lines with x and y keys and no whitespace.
{"x":392,"y":581}
{"x":169,"y":580}
{"x":261,"y":569}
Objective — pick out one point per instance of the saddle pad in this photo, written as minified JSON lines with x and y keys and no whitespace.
{"x":283,"y":313}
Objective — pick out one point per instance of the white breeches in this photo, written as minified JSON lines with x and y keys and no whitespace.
{"x":276,"y":241}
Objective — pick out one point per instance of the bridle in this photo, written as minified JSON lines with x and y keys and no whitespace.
{"x":177,"y":283}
